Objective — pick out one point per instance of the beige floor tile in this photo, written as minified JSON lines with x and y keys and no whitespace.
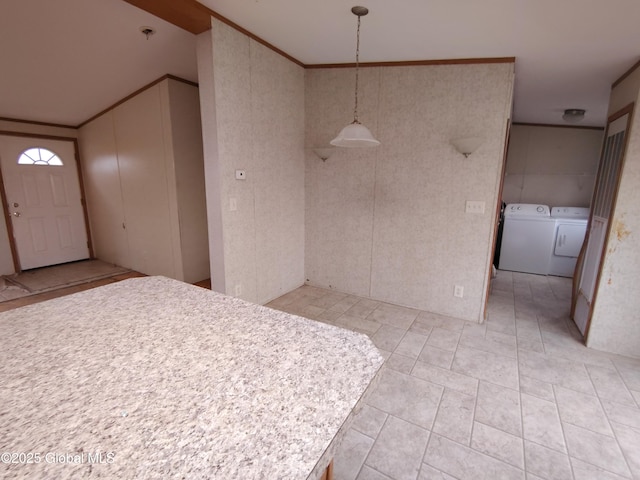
{"x":465,"y":463}
{"x":388,"y":337}
{"x":585,"y":471}
{"x":541,"y":423}
{"x":369,"y":421}
{"x":328,"y":300}
{"x":630,"y":374}
{"x":537,"y":388}
{"x":629,"y":439}
{"x":358,"y":323}
{"x":353,"y":451}
{"x":490,"y":345}
{"x":501,"y":445}
{"x":455,"y":416}
{"x":546,"y":463}
{"x":609,"y":385}
{"x":345,"y":304}
{"x":406,"y":397}
{"x":368,"y":473}
{"x":436,"y":356}
{"x":400,"y":363}
{"x":486,"y":366}
{"x":474,"y":330}
{"x":499,"y":407}
{"x":363,"y":308}
{"x":531,"y":344}
{"x":400,"y":317}
{"x":399,"y":449}
{"x":427,"y":472}
{"x":447,"y":378}
{"x":411,"y":345}
{"x":444,"y":339}
{"x":557,"y":371}
{"x":623,"y":414}
{"x":582,"y":410}
{"x":599,"y":450}
{"x":434,"y":320}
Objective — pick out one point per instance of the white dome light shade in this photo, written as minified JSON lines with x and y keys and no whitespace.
{"x":355,"y":135}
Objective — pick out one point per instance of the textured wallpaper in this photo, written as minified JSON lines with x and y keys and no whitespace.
{"x":259,"y":110}
{"x":390,"y":222}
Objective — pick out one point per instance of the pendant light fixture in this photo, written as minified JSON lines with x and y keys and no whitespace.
{"x":355,"y":134}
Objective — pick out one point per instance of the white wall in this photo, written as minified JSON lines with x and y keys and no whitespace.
{"x":615,"y":323}
{"x":253,"y":119}
{"x":555,"y":166}
{"x":6,"y":260}
{"x":389,"y":222}
{"x":144,"y":181}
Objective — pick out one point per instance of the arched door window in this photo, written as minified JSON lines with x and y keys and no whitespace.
{"x":39,"y":156}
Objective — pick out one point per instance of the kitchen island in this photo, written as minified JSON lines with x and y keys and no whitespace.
{"x":154,"y":378}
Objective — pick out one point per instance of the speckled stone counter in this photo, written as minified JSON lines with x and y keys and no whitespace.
{"x":154,"y":378}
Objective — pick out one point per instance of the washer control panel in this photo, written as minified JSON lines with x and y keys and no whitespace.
{"x":527,"y":209}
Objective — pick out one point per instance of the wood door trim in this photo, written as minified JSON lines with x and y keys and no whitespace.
{"x":628,"y":109}
{"x":194,"y":17}
{"x":507,"y":139}
{"x":33,"y":122}
{"x":83,"y":201}
{"x":417,"y":63}
{"x":136,"y":93}
{"x":9,"y":224}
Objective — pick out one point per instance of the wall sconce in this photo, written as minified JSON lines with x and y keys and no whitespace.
{"x":467,"y":145}
{"x":324,"y":152}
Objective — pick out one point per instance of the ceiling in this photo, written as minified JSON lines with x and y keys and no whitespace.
{"x":65,"y":61}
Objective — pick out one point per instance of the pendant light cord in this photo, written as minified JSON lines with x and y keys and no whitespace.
{"x":355,"y":110}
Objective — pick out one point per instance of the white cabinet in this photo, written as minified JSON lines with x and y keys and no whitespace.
{"x":144,"y":180}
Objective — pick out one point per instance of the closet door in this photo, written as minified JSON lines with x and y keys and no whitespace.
{"x":102,"y":187}
{"x":602,"y":207}
{"x":141,"y":157}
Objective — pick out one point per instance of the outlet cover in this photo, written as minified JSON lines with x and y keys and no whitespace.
{"x":458,"y":291}
{"x":474,"y":207}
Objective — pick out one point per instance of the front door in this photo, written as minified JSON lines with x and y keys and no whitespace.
{"x":44,"y":200}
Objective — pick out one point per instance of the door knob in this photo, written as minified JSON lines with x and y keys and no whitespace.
{"x":16,"y":214}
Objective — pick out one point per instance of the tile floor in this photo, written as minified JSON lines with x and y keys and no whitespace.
{"x":518,"y":397}
{"x":56,"y":277}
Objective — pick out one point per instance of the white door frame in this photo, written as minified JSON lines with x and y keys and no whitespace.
{"x":5,"y":204}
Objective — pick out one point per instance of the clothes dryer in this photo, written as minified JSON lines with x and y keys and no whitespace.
{"x":570,"y":230}
{"x":527,"y":238}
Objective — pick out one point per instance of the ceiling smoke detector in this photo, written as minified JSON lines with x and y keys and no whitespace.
{"x":147,"y":31}
{"x":573,"y":115}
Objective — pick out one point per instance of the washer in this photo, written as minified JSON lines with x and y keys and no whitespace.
{"x":527,"y":238}
{"x":570,"y":229}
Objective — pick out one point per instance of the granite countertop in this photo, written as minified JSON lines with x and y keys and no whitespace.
{"x":154,"y":378}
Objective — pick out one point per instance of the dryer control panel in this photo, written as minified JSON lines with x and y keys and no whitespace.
{"x":570,"y":212}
